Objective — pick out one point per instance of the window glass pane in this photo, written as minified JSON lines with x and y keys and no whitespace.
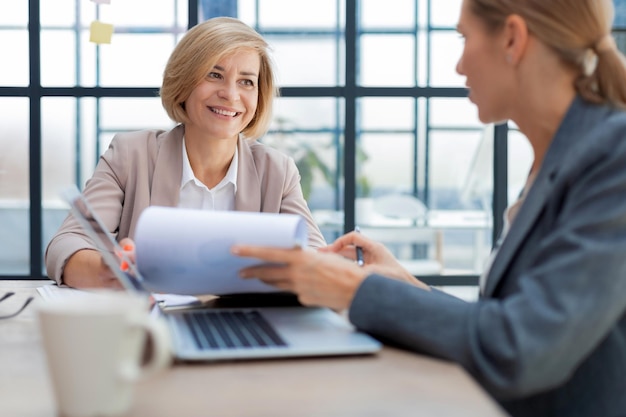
{"x":315,"y":155}
{"x":59,"y":12}
{"x":320,"y":14}
{"x":246,"y":11}
{"x":58,"y":58}
{"x":60,"y":142}
{"x":89,"y":153}
{"x":387,"y":60}
{"x":460,"y":169}
{"x":385,"y":163}
{"x":446,"y":48}
{"x":376,"y":13}
{"x":291,"y":67}
{"x":14,"y":187}
{"x":126,"y":114}
{"x":445,"y":13}
{"x":141,"y":13}
{"x":311,"y":131}
{"x":457,"y":112}
{"x":14,"y":13}
{"x":14,"y":144}
{"x":318,"y":113}
{"x":461,"y":181}
{"x":121,"y":65}
{"x":312,"y":142}
{"x":387,"y":113}
{"x":133,"y":114}
{"x":388,"y":212}
{"x":89,"y":11}
{"x":14,"y":44}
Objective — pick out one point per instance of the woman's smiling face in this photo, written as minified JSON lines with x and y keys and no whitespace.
{"x":225,"y":101}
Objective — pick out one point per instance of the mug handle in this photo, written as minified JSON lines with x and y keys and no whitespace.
{"x":160,"y":354}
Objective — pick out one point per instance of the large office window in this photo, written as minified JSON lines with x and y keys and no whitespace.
{"x":370,"y":108}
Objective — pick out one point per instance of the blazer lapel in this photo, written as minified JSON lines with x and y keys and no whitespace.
{"x":574,"y":127}
{"x":168,"y":169}
{"x":528,"y":212}
{"x":248,"y":195}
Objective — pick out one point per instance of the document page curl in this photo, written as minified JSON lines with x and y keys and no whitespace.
{"x":187,"y":251}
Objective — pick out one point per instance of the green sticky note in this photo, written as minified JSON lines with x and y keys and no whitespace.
{"x":100,"y":32}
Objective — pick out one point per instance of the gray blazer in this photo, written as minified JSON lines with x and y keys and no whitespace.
{"x":548,"y":337}
{"x":144,"y":168}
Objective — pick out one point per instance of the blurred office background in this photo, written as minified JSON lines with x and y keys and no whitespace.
{"x":371,"y":109}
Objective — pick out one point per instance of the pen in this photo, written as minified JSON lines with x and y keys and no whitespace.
{"x":359,"y":250}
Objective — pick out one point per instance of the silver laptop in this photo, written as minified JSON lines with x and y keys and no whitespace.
{"x":243,"y":326}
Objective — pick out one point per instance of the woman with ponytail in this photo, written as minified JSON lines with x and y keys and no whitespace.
{"x":547,"y":336}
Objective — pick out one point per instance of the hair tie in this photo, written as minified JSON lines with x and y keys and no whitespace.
{"x":606,"y":43}
{"x":590,"y":56}
{"x":589,"y":62}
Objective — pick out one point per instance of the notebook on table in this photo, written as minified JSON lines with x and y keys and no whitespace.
{"x":244,"y":326}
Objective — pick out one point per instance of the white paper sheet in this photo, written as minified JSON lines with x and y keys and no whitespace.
{"x":53,"y":292}
{"x":185,"y":251}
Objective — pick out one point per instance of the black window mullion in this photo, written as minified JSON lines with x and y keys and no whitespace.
{"x":349,"y":157}
{"x":34,"y":92}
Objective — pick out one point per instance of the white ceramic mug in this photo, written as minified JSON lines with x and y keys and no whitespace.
{"x":94,"y":348}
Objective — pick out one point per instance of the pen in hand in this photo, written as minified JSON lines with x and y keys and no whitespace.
{"x":359,"y":250}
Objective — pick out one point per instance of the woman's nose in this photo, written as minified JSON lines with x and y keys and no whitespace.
{"x":229,"y":91}
{"x":459,"y":66}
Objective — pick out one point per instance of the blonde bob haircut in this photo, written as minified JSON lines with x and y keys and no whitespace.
{"x":575,"y":30}
{"x":199,"y":51}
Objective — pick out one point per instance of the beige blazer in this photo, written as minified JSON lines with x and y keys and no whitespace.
{"x":144,"y":168}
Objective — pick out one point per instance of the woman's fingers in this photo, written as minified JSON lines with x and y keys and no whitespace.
{"x":268,"y":254}
{"x":128,"y":245}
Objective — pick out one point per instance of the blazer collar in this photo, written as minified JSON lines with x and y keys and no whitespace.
{"x":168,"y":168}
{"x":576,"y":123}
{"x":168,"y":171}
{"x":248,"y":195}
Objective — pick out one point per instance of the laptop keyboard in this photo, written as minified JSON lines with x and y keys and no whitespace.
{"x":217,"y":329}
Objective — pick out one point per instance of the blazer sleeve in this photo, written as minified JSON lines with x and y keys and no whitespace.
{"x":558,"y":309}
{"x":293,"y":202}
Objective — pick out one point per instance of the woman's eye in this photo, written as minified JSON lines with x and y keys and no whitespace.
{"x":215,"y":75}
{"x":248,"y":83}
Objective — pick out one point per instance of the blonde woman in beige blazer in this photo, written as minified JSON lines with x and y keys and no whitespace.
{"x":222,"y":103}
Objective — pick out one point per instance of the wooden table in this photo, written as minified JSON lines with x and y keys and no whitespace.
{"x":391,"y":383}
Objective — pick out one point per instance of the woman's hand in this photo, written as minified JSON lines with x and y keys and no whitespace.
{"x":378,"y":259}
{"x":87,"y":269}
{"x":319,"y":279}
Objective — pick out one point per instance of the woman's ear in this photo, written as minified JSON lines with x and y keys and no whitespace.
{"x":515,"y":36}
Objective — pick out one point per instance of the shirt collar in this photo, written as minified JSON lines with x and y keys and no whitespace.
{"x":188,"y":175}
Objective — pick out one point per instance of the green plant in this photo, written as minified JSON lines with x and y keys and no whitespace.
{"x":309,"y":159}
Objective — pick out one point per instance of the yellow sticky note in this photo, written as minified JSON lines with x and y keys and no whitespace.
{"x":100,"y":32}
